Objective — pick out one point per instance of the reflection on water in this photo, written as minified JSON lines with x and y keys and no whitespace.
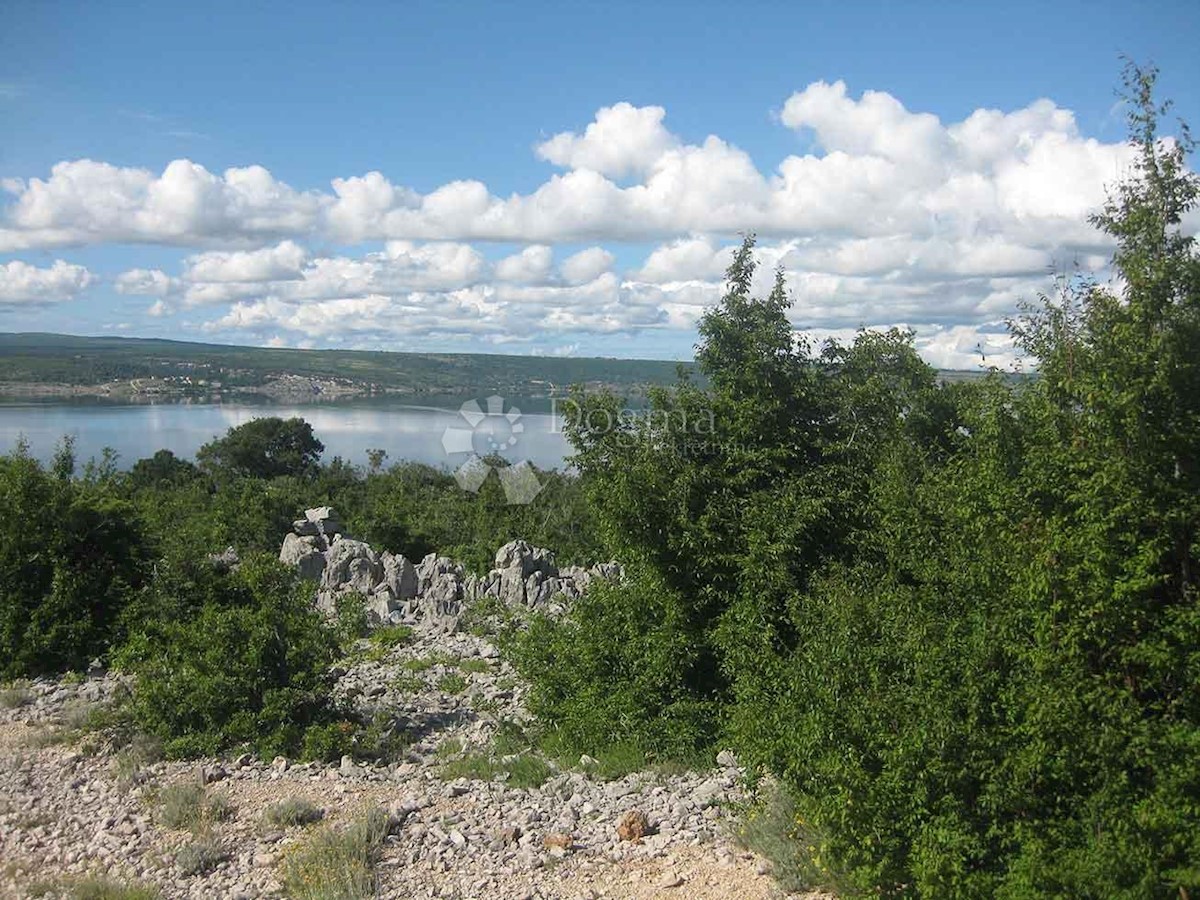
{"x":405,"y":432}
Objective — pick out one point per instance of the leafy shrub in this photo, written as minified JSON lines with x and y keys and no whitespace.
{"x":350,"y":619}
{"x":959,"y":623}
{"x":384,"y":738}
{"x":247,"y":669}
{"x":72,"y":557}
{"x":164,"y":468}
{"x":616,"y":670}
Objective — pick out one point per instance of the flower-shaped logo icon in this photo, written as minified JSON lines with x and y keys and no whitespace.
{"x":491,"y":432}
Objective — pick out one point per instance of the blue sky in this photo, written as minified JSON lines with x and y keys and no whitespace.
{"x":483,"y":231}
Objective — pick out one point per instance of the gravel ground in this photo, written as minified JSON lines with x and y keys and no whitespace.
{"x":70,"y":809}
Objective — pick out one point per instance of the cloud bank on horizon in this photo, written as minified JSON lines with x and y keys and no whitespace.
{"x":890,"y":217}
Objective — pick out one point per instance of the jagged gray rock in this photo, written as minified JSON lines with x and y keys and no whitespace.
{"x":441,"y":590}
{"x":351,"y":566}
{"x":303,"y":553}
{"x":434,"y":592}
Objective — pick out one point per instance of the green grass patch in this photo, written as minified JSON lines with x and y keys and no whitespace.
{"x":452,"y":684}
{"x":527,"y":771}
{"x":449,"y":747}
{"x":524,"y":771}
{"x":475,"y":665}
{"x":408,"y":684}
{"x":483,"y":704}
{"x":391,"y":636}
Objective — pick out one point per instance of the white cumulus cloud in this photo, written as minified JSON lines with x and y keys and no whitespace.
{"x":86,"y":202}
{"x":623,"y":140}
{"x":887,"y":215}
{"x":586,"y":265}
{"x":24,"y":285}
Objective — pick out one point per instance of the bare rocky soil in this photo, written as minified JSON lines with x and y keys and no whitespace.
{"x":74,"y":808}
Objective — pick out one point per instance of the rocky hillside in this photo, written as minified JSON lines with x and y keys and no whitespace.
{"x":467,"y":807}
{"x":437,"y":591}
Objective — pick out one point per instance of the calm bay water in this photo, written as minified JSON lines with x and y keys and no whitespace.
{"x":406,"y":432}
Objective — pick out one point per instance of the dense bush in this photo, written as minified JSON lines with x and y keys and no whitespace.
{"x":620,"y":671}
{"x":959,"y":623}
{"x":244,"y":664}
{"x":416,"y":509}
{"x":72,"y":556}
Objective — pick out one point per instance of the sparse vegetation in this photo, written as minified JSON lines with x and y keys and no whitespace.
{"x":130,"y":762}
{"x":93,"y":887}
{"x":15,"y":695}
{"x":408,"y":684}
{"x":475,"y":666}
{"x":511,"y":756}
{"x":107,"y":889}
{"x":452,"y":684}
{"x":292,"y":812}
{"x":337,"y":864}
{"x":774,"y":828}
{"x":190,"y":806}
{"x":200,"y":855}
{"x":449,"y":747}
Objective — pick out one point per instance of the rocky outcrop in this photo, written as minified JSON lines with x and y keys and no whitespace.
{"x":436,"y":591}
{"x":526,"y":576}
{"x":303,"y":553}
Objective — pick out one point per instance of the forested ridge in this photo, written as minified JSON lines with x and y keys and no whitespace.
{"x":185,"y":369}
{"x":953,"y":625}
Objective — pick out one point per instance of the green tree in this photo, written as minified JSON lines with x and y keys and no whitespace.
{"x":723,"y":502}
{"x":264,"y":448}
{"x":959,"y":623}
{"x":163,"y":468}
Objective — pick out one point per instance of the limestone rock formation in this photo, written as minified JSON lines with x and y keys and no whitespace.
{"x":437,"y":590}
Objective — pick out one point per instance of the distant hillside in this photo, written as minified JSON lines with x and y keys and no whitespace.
{"x":34,"y":364}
